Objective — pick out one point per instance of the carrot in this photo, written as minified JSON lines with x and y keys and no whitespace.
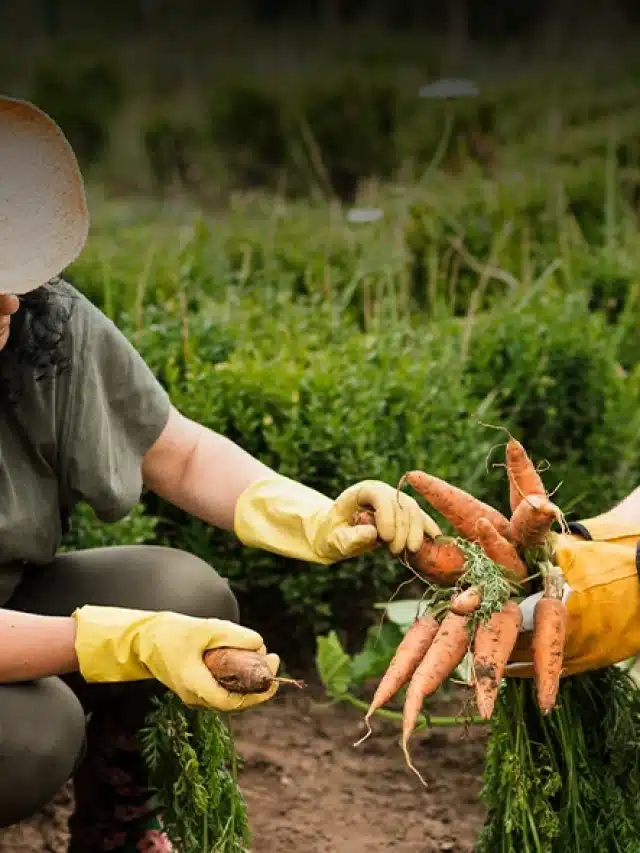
{"x":466,"y":602}
{"x":532,"y":520}
{"x":460,"y":508}
{"x":364,"y":516}
{"x":498,"y":549}
{"x":492,"y":648}
{"x":241,"y":671}
{"x":411,"y":649}
{"x":550,"y":619}
{"x":440,"y":560}
{"x":442,"y":657}
{"x":523,"y":477}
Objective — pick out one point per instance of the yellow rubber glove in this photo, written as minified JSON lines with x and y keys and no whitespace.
{"x":287,"y":518}
{"x":602,"y":594}
{"x":115,"y":645}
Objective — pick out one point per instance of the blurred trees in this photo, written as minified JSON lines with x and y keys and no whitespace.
{"x":456,"y":18}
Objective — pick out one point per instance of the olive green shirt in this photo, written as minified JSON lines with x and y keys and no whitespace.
{"x":78,"y":437}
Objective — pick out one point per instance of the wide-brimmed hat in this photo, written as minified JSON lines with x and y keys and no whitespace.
{"x":44,"y":221}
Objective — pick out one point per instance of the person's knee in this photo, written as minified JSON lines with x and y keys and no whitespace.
{"x":189,"y":585}
{"x":42,"y":736}
{"x":143,"y":577}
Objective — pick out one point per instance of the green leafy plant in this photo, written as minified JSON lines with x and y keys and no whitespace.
{"x":193,"y":770}
{"x":85,"y":531}
{"x":568,"y":782}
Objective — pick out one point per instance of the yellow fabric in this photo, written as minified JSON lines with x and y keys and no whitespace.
{"x":604,"y":601}
{"x":115,"y":645}
{"x":285,"y":517}
{"x":620,"y":525}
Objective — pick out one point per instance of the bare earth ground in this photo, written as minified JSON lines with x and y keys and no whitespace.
{"x":309,"y":791}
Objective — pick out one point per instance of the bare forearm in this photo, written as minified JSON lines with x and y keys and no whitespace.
{"x":629,"y":508}
{"x":207,"y":481}
{"x":35,"y":646}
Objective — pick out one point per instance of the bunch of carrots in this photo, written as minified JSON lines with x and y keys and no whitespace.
{"x":479,"y":576}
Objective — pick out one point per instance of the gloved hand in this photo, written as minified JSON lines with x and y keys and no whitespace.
{"x":600,"y":561}
{"x":287,"y":518}
{"x":114,"y":645}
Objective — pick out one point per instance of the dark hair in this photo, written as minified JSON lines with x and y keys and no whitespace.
{"x":37,"y":341}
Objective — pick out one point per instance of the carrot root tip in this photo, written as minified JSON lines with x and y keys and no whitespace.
{"x":366,"y":735}
{"x":299,"y":684}
{"x":410,"y":764}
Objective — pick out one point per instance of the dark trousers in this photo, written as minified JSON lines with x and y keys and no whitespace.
{"x":43,"y":723}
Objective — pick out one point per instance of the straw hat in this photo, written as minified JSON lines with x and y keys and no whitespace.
{"x":44,"y":221}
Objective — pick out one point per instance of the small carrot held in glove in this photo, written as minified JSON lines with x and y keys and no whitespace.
{"x":460,"y":508}
{"x":523,"y":478}
{"x":498,"y":549}
{"x":242,"y":671}
{"x":550,"y":621}
{"x":445,"y":653}
{"x":411,"y":650}
{"x":532,"y":520}
{"x":493,"y":644}
{"x":466,"y":602}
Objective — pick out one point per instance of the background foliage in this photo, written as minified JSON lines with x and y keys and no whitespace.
{"x":307,"y":339}
{"x":351,"y":280}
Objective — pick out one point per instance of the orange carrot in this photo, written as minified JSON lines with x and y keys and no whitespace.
{"x":364,"y":516}
{"x":550,"y":619}
{"x":523,"y":477}
{"x":242,"y":671}
{"x":439,"y":560}
{"x":443,"y":656}
{"x":466,"y":602}
{"x":411,"y":649}
{"x":492,"y":648}
{"x":532,"y":520}
{"x":498,"y":549}
{"x":460,"y":508}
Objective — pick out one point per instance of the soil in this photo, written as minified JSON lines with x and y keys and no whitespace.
{"x":308,"y":790}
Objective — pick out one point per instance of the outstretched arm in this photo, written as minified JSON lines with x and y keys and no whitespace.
{"x":214,"y":479}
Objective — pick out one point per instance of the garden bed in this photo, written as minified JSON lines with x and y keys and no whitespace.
{"x":309,"y":791}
